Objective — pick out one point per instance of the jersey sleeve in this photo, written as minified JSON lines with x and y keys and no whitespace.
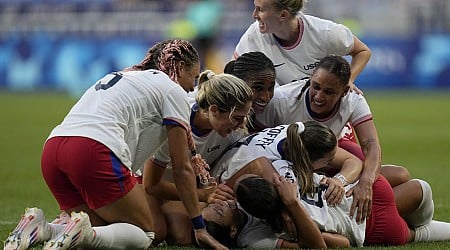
{"x":162,"y":156}
{"x":175,"y":111}
{"x":361,"y":111}
{"x":175,"y":108}
{"x":340,"y":40}
{"x":248,"y":41}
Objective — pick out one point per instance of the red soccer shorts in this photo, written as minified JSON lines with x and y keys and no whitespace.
{"x":385,"y":226}
{"x":79,"y":170}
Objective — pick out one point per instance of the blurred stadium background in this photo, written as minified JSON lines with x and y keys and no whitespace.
{"x":66,"y":45}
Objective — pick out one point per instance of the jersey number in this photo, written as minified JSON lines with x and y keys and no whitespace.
{"x":114,"y":80}
{"x":110,"y":83}
{"x":317,"y":199}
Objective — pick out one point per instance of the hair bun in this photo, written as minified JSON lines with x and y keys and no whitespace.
{"x":210,"y":74}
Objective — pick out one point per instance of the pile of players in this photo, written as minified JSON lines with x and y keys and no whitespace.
{"x":279,"y":151}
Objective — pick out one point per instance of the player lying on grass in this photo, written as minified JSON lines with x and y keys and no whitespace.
{"x":275,"y":151}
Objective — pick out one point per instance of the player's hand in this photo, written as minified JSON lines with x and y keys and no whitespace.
{"x":335,"y":191}
{"x":355,"y":89}
{"x":221,"y":192}
{"x":204,"y":239}
{"x":287,"y":189}
{"x":362,"y":201}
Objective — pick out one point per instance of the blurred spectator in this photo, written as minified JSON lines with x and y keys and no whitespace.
{"x":200,"y":24}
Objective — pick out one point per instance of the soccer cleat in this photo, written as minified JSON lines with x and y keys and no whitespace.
{"x":62,"y":219}
{"x":77,"y":231}
{"x":31,"y":230}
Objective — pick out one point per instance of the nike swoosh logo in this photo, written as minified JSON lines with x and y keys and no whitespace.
{"x":278,"y":65}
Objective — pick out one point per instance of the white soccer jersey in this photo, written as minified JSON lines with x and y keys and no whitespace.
{"x":257,"y":234}
{"x":329,"y":219}
{"x":284,"y":108}
{"x":210,"y":146}
{"x":320,"y":38}
{"x":125,"y":111}
{"x":268,"y":143}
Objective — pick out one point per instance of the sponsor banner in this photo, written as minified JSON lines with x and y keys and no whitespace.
{"x":72,"y":64}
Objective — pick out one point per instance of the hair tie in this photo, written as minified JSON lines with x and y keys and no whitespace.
{"x":301,"y":127}
{"x":210,"y":74}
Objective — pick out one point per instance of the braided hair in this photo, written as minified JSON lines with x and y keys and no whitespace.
{"x":249,"y":64}
{"x":165,"y":55}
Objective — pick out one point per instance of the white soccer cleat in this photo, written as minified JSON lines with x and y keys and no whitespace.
{"x":77,"y":231}
{"x":31,"y":230}
{"x":62,"y":219}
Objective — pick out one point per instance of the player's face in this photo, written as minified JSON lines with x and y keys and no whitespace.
{"x":266,"y":15}
{"x":325,"y":93}
{"x":325,"y":160}
{"x":262,"y":84}
{"x":225,"y":122}
{"x":224,"y":213}
{"x":187,"y":76}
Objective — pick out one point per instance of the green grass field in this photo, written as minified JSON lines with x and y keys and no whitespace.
{"x":413,"y":127}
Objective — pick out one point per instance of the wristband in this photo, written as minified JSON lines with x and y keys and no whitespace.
{"x":341,"y":178}
{"x":198,"y":222}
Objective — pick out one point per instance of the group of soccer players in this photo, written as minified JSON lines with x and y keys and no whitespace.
{"x":147,"y":156}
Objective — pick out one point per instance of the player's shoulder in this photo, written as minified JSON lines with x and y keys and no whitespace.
{"x":252,"y":30}
{"x":290,"y":90}
{"x":317,"y":22}
{"x":352,"y":97}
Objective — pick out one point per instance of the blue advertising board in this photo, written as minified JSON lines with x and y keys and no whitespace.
{"x":42,"y":61}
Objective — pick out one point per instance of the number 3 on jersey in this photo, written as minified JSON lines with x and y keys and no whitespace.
{"x":112,"y":79}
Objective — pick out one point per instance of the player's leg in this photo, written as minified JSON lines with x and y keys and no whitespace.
{"x":385,"y":225}
{"x":160,"y":227}
{"x":414,"y":201}
{"x":352,"y":147}
{"x":33,"y":227}
{"x":110,"y":193}
{"x":433,"y":231}
{"x":154,"y":175}
{"x":396,"y":175}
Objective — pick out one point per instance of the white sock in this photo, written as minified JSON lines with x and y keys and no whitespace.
{"x":434,"y":231}
{"x":424,"y":213}
{"x":121,"y":236}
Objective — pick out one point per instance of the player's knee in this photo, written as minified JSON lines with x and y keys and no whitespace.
{"x":396,"y":175}
{"x":424,"y":212}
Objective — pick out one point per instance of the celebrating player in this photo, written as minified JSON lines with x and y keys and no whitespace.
{"x":258,"y":71}
{"x":295,"y":42}
{"x":108,"y":134}
{"x":218,"y":118}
